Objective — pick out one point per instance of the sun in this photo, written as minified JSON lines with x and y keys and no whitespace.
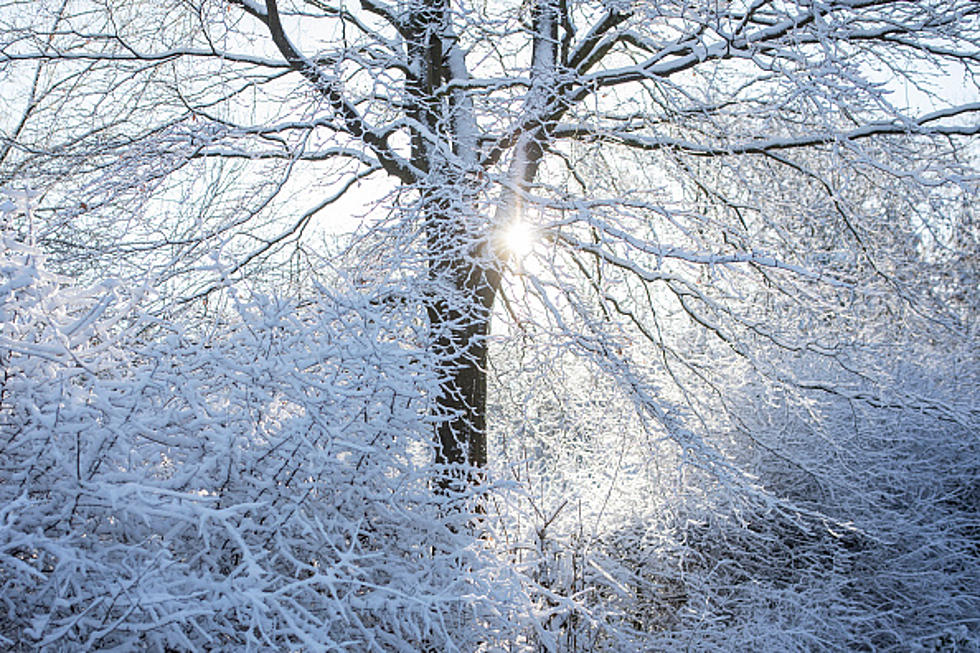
{"x":518,"y":239}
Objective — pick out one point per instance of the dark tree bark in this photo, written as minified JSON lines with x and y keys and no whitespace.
{"x":461,"y":435}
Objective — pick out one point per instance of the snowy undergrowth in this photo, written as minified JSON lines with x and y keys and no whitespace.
{"x":855,"y":528}
{"x":262,"y":480}
{"x":262,"y":483}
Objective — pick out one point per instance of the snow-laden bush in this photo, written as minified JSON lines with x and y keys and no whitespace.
{"x":854,"y":524}
{"x":862,"y":534}
{"x":262,"y":483}
{"x":894,"y":469}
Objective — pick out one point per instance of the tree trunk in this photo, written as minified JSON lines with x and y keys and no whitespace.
{"x":461,"y":344}
{"x":461,"y":260}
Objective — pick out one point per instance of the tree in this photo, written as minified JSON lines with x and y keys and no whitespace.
{"x":464,"y":105}
{"x":472,"y":110}
{"x":756,"y":198}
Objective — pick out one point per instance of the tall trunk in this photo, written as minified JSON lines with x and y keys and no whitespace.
{"x":460,"y":262}
{"x":461,"y":324}
{"x":462,"y":327}
{"x":459,"y":319}
{"x":461,"y":423}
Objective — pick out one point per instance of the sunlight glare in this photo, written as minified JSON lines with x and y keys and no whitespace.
{"x":519,"y":239}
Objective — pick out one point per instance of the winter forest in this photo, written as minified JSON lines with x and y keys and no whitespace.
{"x":489,"y":325}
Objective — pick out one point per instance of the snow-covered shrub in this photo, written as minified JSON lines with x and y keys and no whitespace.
{"x":860,"y":537}
{"x":847,"y":517}
{"x":258,"y":484}
{"x":579,"y":473}
{"x":863,"y":535}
